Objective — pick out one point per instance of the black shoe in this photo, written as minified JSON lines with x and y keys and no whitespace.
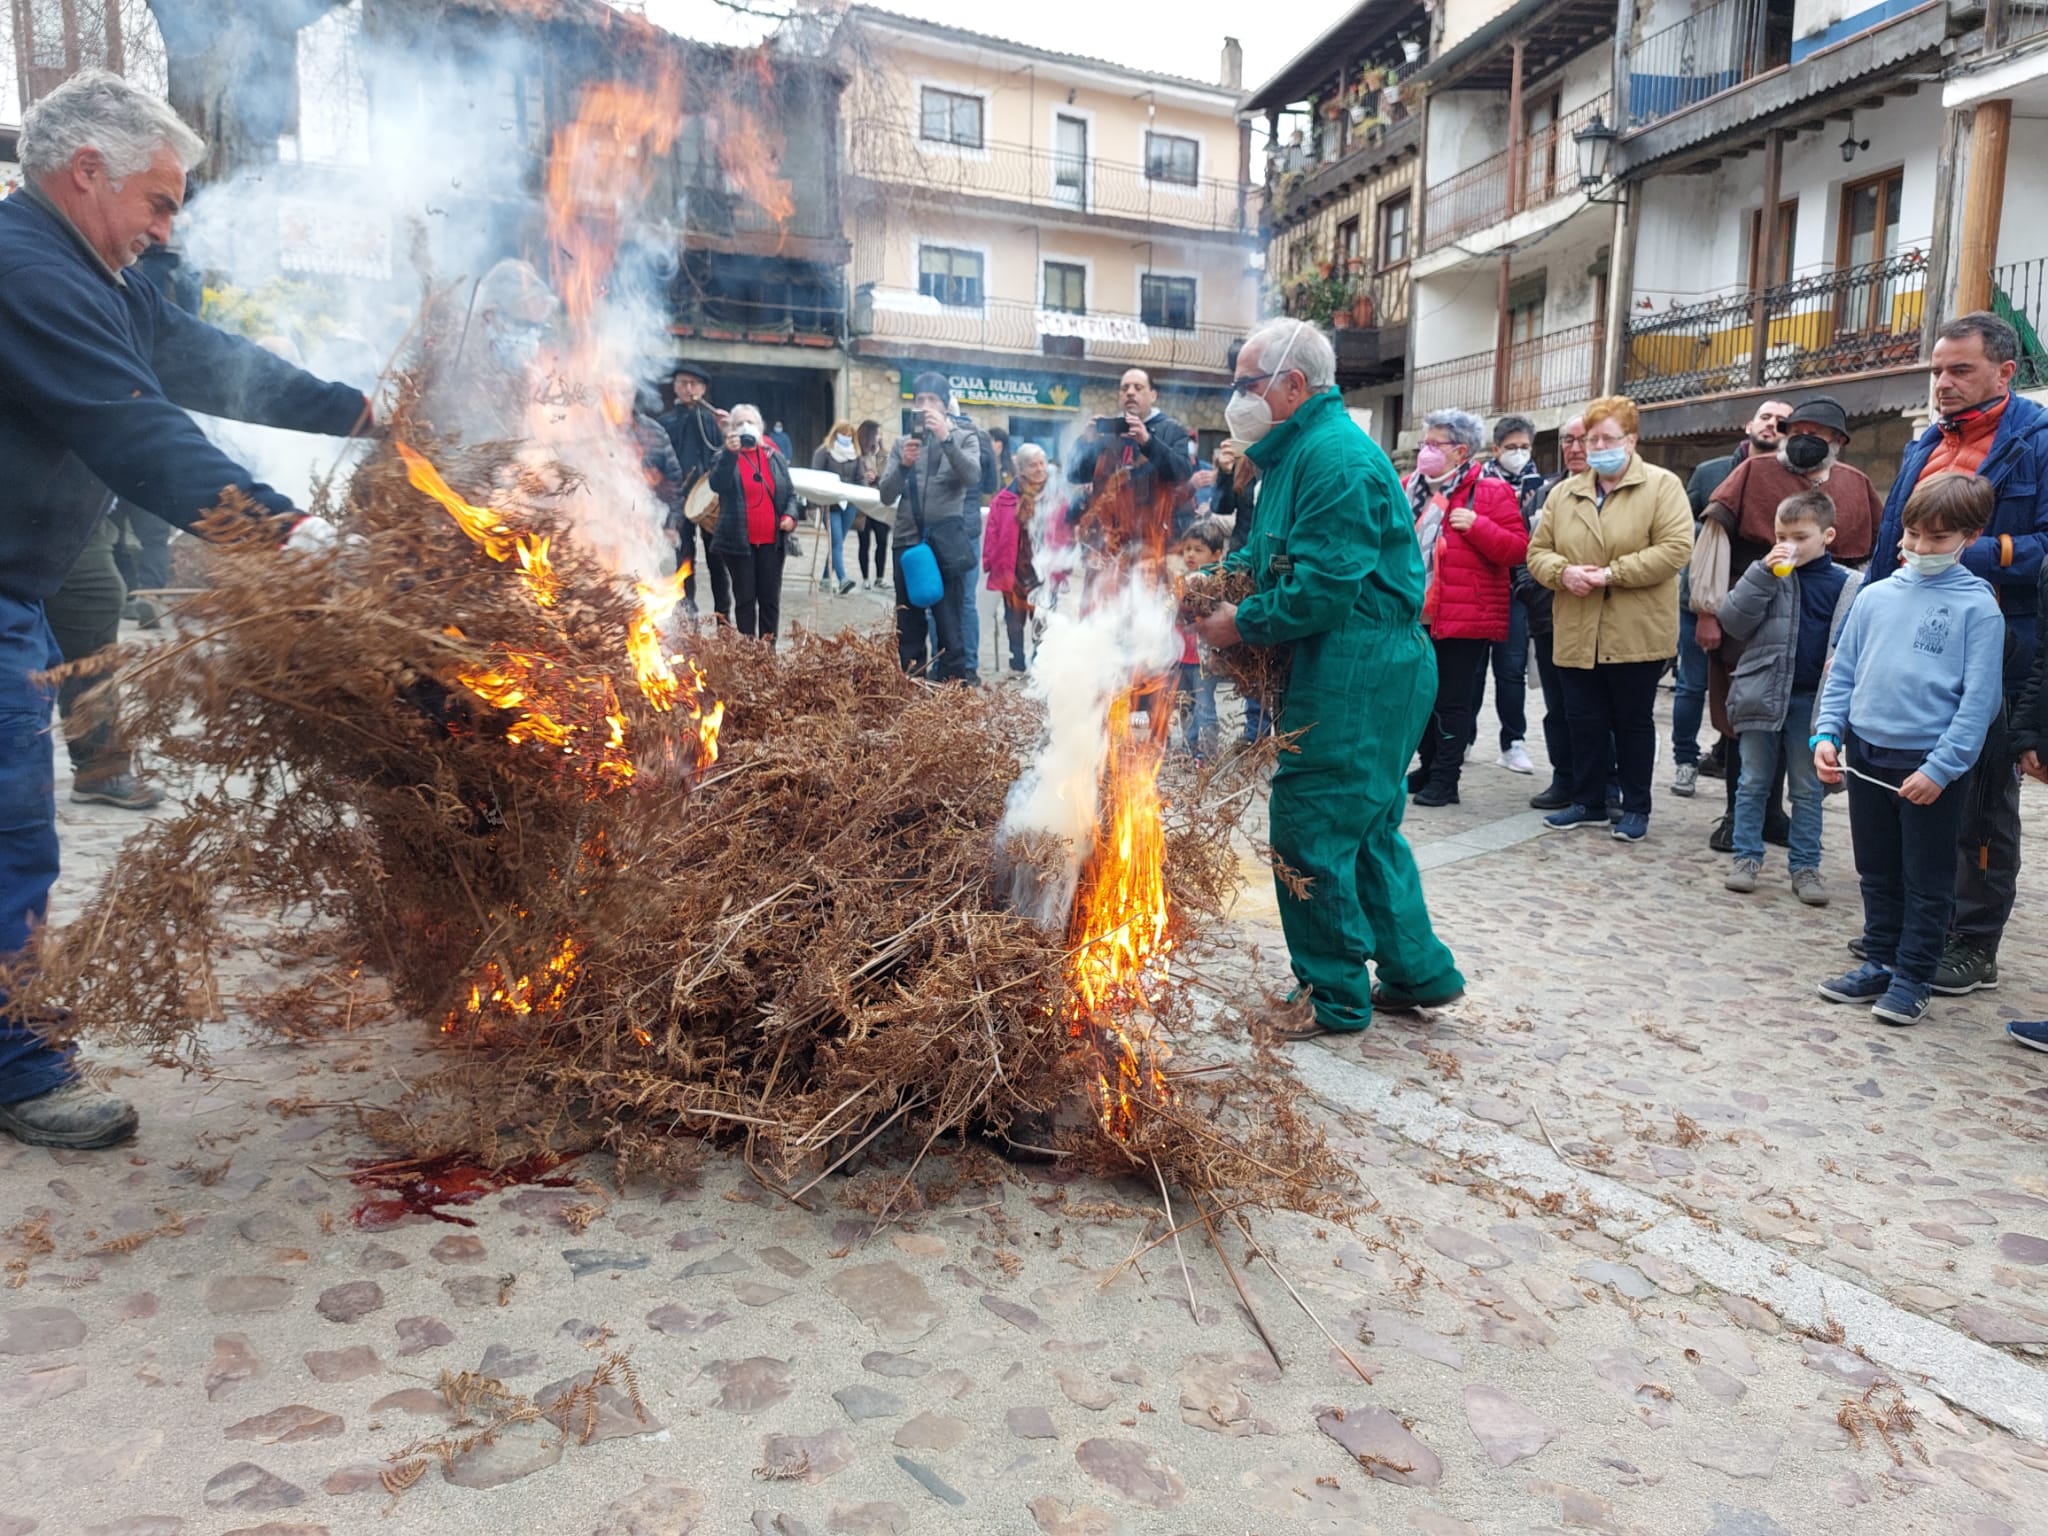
{"x":1554,"y":798}
{"x":1722,"y":838}
{"x":1418,"y":780}
{"x":1437,"y":794}
{"x":1777,"y":832}
{"x":1715,"y":764}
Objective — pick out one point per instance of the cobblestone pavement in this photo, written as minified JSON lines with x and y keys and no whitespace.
{"x":1660,"y":1244}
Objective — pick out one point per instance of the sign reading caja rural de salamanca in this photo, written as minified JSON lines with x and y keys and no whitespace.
{"x":1030,"y":391}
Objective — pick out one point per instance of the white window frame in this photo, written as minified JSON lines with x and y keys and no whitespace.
{"x":925,"y":146}
{"x":1172,"y":188}
{"x":1058,"y":110}
{"x":1138,"y":298}
{"x":971,"y":248}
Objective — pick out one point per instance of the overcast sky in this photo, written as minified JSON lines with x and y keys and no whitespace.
{"x":1181,"y":39}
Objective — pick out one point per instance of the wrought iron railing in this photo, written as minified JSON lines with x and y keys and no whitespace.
{"x":1009,"y":325}
{"x":1049,"y":179}
{"x":1851,"y":320}
{"x":1689,"y":349}
{"x":1460,"y":383}
{"x":2015,"y":21}
{"x":1715,"y":49}
{"x":2019,"y":293}
{"x":1544,"y":372}
{"x":1552,"y":370}
{"x":1543,"y":166}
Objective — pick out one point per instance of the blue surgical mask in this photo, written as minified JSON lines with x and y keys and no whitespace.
{"x":1932,"y":565}
{"x":1607,"y":461}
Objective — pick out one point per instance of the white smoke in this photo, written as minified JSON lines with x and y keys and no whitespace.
{"x":401,"y":156}
{"x":1101,"y":635}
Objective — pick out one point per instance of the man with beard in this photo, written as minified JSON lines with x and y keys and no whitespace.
{"x":1689,"y":696}
{"x":1739,"y":528}
{"x":1987,"y":430}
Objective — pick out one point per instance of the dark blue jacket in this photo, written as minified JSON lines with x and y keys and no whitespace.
{"x":2018,"y":466}
{"x":94,"y":371}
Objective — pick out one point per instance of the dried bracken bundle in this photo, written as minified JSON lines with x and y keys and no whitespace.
{"x":440,"y":746}
{"x":1257,"y":672}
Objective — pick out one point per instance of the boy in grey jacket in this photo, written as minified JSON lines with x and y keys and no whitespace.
{"x":1784,"y":614}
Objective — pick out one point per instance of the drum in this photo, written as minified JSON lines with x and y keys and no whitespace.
{"x":701,"y":506}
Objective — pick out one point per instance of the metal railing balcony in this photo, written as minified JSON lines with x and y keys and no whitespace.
{"x":1851,"y":320}
{"x":1546,"y":372}
{"x":2019,"y":294}
{"x":1713,"y":50}
{"x":795,"y":320}
{"x":1030,"y":330}
{"x":1047,"y":179}
{"x":1542,"y":167}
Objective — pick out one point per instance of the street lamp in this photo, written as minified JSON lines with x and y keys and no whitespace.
{"x":1851,"y":144}
{"x":1595,"y":145}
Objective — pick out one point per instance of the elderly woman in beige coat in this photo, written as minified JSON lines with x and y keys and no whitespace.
{"x":1611,"y":543}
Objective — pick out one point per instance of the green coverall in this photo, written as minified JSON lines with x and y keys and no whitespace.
{"x":1339,"y":575}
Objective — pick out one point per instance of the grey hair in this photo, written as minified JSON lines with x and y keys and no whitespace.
{"x":98,"y":110}
{"x":1508,"y":426}
{"x":1301,"y":346}
{"x":751,"y":412}
{"x":1462,"y":425}
{"x":1029,"y":453}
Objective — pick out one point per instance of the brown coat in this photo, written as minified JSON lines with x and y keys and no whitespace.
{"x":1643,"y":535}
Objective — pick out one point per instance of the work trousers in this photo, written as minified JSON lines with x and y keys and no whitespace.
{"x":1612,"y":701}
{"x":756,"y":578}
{"x":28,"y":829}
{"x":1336,"y":820}
{"x":1988,"y":855}
{"x":144,"y":551}
{"x":84,"y":615}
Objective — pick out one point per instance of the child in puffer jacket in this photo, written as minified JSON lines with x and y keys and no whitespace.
{"x":1783,"y":617}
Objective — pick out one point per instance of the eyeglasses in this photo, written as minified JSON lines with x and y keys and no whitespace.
{"x":1245,"y":383}
{"x":1607,"y":442}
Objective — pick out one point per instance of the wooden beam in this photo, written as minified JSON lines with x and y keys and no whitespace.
{"x":1514,"y":201}
{"x":1983,"y":199}
{"x":1501,"y":335}
{"x":1766,"y":259}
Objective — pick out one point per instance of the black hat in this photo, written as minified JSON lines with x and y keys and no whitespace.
{"x":936,"y":384}
{"x":691,"y":370}
{"x":1820,"y":411}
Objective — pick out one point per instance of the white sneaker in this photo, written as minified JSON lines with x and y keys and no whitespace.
{"x":1515,"y":758}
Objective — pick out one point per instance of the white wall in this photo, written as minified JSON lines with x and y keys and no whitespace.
{"x":2020,"y":235}
{"x":1465,"y":127}
{"x":1464,"y":17}
{"x":1589,"y":75}
{"x":1453,"y":314}
{"x":1693,"y":241}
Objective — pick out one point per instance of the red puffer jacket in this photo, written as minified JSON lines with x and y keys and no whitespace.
{"x":1473,"y":567}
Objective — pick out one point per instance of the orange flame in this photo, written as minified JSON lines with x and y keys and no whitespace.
{"x":487,"y":529}
{"x":542,"y":991}
{"x":1120,"y":934}
{"x":601,"y":171}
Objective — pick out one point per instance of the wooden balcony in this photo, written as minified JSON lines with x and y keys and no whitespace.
{"x":1541,"y":168}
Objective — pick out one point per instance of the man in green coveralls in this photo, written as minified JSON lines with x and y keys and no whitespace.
{"x":1339,"y":577}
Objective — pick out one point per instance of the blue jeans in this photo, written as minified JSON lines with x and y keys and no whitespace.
{"x":1199,"y":681}
{"x":1762,"y":751}
{"x":28,"y":829}
{"x":1255,"y":722}
{"x":1689,"y":691}
{"x":839,"y":519}
{"x":1905,"y":861}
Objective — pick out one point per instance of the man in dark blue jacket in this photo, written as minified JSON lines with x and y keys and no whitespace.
{"x":96,"y":373}
{"x":1986,"y":429}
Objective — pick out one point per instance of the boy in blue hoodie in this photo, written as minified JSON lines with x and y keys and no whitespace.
{"x":1915,"y":686}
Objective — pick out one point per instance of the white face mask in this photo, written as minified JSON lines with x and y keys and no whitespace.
{"x":1932,"y":565}
{"x":1513,"y":460}
{"x":1248,"y":417}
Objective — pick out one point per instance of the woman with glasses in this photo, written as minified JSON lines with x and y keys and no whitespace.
{"x":1610,"y":545}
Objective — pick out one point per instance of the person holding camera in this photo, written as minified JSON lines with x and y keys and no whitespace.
{"x":1147,"y":442}
{"x":930,"y":476}
{"x":757,"y":517}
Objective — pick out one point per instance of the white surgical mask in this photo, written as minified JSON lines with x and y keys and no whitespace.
{"x":1932,"y":565}
{"x":1513,"y":460}
{"x":1248,"y":417}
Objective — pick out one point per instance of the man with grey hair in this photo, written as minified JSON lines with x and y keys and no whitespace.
{"x":96,"y":375}
{"x":1338,"y":576}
